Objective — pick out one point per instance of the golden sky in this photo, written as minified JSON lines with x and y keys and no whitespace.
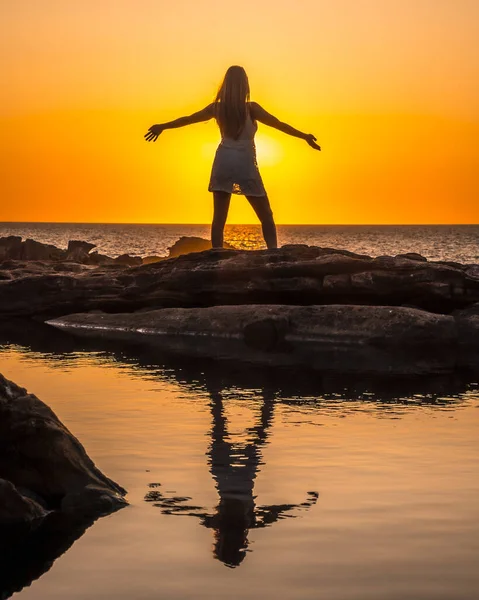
{"x":389,"y":87}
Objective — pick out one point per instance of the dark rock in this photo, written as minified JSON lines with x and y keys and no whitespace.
{"x":148,"y":260}
{"x":74,"y":245}
{"x":10,"y":247}
{"x":413,"y":256}
{"x":95,"y":258}
{"x":14,"y":507}
{"x":334,"y":337}
{"x":40,"y":456}
{"x":297,"y":275}
{"x":79,"y":251}
{"x":467,"y":321}
{"x":268,"y":334}
{"x":33,"y":250}
{"x":128,"y":261}
{"x":472,"y":271}
{"x":186,"y":245}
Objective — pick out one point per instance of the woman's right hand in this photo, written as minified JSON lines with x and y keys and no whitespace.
{"x":153,"y":133}
{"x":311,"y":140}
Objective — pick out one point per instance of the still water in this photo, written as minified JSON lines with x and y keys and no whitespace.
{"x":262,"y":484}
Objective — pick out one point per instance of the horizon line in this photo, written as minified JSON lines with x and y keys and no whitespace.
{"x":241,"y":224}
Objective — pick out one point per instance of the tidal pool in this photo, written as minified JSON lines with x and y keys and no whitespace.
{"x":250,"y":483}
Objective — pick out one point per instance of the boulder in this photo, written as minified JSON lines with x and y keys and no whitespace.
{"x":43,"y":465}
{"x":33,"y":250}
{"x":340,"y":338}
{"x":79,"y":251}
{"x":11,"y":247}
{"x":95,"y":258}
{"x":188,"y":244}
{"x":128,"y":261}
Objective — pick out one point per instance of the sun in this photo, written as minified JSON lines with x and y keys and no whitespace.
{"x":268,"y":150}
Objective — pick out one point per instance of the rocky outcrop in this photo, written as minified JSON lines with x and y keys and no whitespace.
{"x":188,"y":244}
{"x":43,"y":467}
{"x":292,"y":275}
{"x":78,"y":251}
{"x":338,"y":338}
{"x":13,"y":248}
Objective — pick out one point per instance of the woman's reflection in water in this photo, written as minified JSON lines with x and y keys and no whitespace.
{"x":233,"y":467}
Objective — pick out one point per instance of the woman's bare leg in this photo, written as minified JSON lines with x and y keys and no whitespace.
{"x":221,"y":203}
{"x":264,"y":213}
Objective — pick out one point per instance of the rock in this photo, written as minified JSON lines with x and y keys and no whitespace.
{"x":186,"y":245}
{"x":14,"y":507}
{"x":39,"y":456}
{"x":467,"y":321}
{"x":373,"y":339}
{"x":412,"y":256}
{"x":473,"y":271}
{"x":79,"y":251}
{"x":95,"y":258}
{"x":148,"y":260}
{"x":33,"y":250}
{"x":128,"y":261}
{"x":297,"y":275}
{"x":74,"y":245}
{"x":10,"y":247}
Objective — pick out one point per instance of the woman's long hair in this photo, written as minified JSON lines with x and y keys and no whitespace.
{"x":230,"y":102}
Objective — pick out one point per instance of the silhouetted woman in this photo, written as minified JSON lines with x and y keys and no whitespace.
{"x":235,"y":170}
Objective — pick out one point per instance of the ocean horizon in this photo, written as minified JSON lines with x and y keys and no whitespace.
{"x":436,"y":242}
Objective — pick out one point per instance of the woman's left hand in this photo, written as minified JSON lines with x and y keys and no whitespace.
{"x":153,"y":133}
{"x":311,"y":140}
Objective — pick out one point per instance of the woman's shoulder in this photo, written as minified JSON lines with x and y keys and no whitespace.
{"x":254,"y":109}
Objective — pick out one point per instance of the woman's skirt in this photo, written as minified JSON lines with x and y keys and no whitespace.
{"x":235,"y":169}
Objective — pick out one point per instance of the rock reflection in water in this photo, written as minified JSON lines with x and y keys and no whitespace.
{"x":233,"y":467}
{"x":27,"y":551}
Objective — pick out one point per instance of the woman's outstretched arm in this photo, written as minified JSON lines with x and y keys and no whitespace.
{"x":265,"y":117}
{"x":202,"y":115}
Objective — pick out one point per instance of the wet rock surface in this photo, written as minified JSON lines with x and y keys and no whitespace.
{"x":341,"y":338}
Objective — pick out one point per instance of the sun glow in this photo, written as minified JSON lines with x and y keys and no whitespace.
{"x":268,"y":151}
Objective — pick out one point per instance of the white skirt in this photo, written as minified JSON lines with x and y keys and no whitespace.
{"x":235,"y":169}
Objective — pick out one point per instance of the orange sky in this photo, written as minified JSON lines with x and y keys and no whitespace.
{"x":389,"y":87}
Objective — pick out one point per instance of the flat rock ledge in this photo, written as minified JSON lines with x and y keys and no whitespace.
{"x":43,"y":468}
{"x":335,"y":338}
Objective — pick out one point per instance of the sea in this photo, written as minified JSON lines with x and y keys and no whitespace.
{"x":435,"y":242}
{"x":255,"y":483}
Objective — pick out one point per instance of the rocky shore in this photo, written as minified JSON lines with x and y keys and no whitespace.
{"x":326,"y":308}
{"x":50,"y":490}
{"x":43,"y":467}
{"x":326,"y":313}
